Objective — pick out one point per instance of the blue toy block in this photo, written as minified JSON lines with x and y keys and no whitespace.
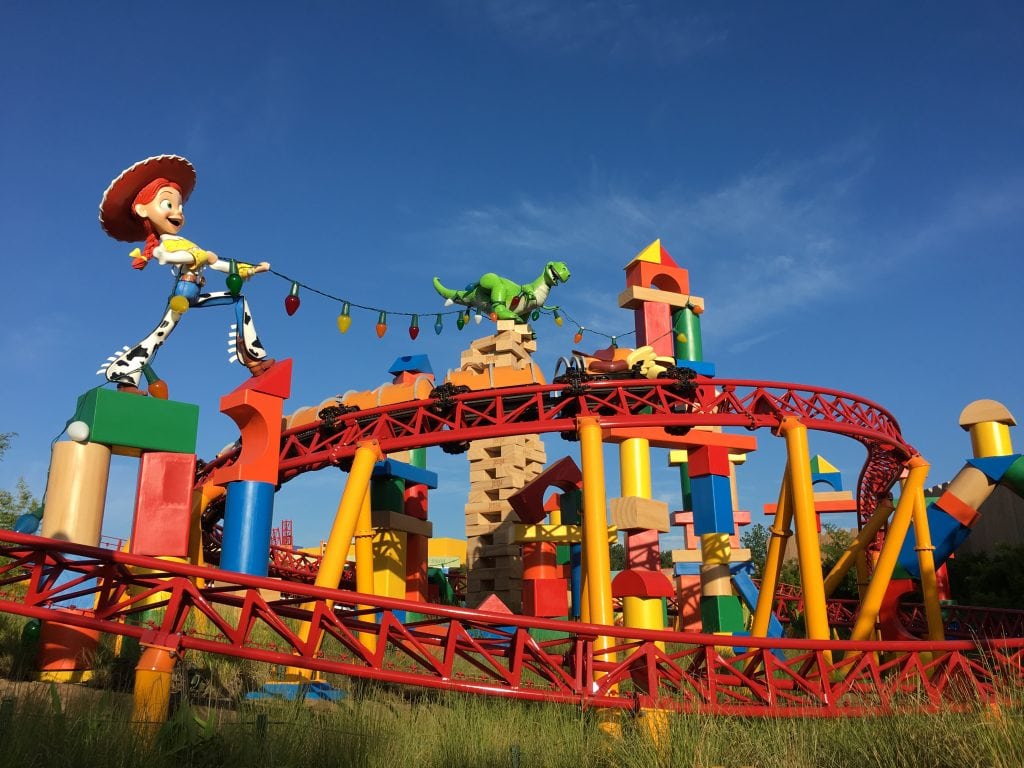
{"x":994,"y":467}
{"x":712,"y":504}
{"x":389,"y":468}
{"x":834,"y":480}
{"x":702,"y":367}
{"x":748,"y":594}
{"x":411,"y":364}
{"x":693,"y":569}
{"x":947,"y":534}
{"x":314,"y":690}
{"x":248,"y":515}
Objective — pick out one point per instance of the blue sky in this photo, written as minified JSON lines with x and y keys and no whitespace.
{"x":845,"y":185}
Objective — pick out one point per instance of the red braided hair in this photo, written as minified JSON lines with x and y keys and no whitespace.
{"x":145,"y":196}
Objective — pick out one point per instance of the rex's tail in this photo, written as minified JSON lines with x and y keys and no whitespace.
{"x":446,"y":293}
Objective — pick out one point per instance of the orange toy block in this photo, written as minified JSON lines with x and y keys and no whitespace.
{"x":258,"y":417}
{"x":645,"y":274}
{"x":163,"y":504}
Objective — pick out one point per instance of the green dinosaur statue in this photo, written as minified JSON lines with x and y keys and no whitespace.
{"x":505,"y":299}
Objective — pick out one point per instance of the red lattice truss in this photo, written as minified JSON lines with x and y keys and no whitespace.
{"x":633,"y":403}
{"x":493,"y":654}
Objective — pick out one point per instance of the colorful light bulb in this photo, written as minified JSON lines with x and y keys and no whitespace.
{"x":292,"y":300}
{"x":579,"y":336}
{"x":233,"y":280}
{"x":414,"y":327}
{"x":438,"y":325}
{"x":382,"y":324}
{"x":558,"y":319}
{"x":344,"y":319}
{"x":461,"y":321}
{"x":178,"y":304}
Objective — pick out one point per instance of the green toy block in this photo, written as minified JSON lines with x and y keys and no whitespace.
{"x":721,"y":613}
{"x":130,"y":424}
{"x":387,"y":493}
{"x":571,"y":505}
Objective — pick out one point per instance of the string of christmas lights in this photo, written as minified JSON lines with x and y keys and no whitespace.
{"x":293,"y":301}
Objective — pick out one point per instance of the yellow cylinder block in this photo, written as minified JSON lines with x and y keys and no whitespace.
{"x":76,"y":492}
{"x":643,"y":613}
{"x":635,"y":467}
{"x":715,"y":548}
{"x":990,"y":438}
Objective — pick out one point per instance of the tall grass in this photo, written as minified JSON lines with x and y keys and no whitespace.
{"x":382,"y":726}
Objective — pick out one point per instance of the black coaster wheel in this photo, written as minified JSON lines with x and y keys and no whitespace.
{"x":444,"y":397}
{"x":330,"y":414}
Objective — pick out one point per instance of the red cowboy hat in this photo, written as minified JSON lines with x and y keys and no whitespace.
{"x":116,"y":215}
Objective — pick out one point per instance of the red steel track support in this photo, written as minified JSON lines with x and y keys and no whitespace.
{"x":494,"y":654}
{"x":635,"y":403}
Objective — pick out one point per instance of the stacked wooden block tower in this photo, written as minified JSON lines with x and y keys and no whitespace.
{"x":498,"y":468}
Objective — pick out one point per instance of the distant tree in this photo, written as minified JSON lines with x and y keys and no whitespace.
{"x":17,"y":502}
{"x":834,"y":541}
{"x":993,"y":579}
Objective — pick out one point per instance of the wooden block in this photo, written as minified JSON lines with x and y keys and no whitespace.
{"x":397,"y":521}
{"x":635,"y":513}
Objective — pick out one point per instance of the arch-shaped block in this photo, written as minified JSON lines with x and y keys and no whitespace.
{"x":528,"y":503}
{"x":258,"y":417}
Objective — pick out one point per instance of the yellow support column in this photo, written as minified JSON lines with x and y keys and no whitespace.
{"x":864,"y":537}
{"x":926,"y":563}
{"x":595,"y":543}
{"x":780,"y":533}
{"x":152,"y":692}
{"x":364,"y":561}
{"x":340,"y":539}
{"x":864,"y":628}
{"x":808,"y":548}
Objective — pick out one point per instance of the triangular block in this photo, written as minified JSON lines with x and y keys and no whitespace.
{"x":651,"y":253}
{"x":994,"y":467}
{"x":277,"y":382}
{"x":493,"y":604}
{"x":821,"y":465}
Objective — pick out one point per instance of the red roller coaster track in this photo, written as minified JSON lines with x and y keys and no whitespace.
{"x":633,"y":403}
{"x":494,"y":654}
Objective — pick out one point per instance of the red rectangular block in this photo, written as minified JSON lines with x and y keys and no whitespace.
{"x":163,"y":504}
{"x":545,"y":597}
{"x":708,"y":460}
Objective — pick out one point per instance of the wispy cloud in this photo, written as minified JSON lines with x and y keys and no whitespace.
{"x":772,"y":237}
{"x":661,"y":31}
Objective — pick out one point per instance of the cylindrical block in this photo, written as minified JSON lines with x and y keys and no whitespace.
{"x":248,"y":516}
{"x":152,"y":694}
{"x":971,"y":486}
{"x":76,"y":492}
{"x":64,"y":648}
{"x":715,"y":548}
{"x":715,"y":580}
{"x":576,"y":578}
{"x":687,"y":322}
{"x":990,"y":438}
{"x":635,"y":467}
{"x":540,"y":560}
{"x":644,"y":613}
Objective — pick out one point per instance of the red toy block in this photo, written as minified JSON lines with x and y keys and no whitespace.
{"x":540,"y":560}
{"x":258,"y":417}
{"x":643,"y":549}
{"x":528,"y":502}
{"x":646,"y":274}
{"x":708,"y":460}
{"x":545,"y":597}
{"x":654,"y":327}
{"x":277,"y":382}
{"x":639,"y":582}
{"x":163,"y":504}
{"x":415,"y":500}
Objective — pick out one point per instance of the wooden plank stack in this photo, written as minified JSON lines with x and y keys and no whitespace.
{"x":498,"y":467}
